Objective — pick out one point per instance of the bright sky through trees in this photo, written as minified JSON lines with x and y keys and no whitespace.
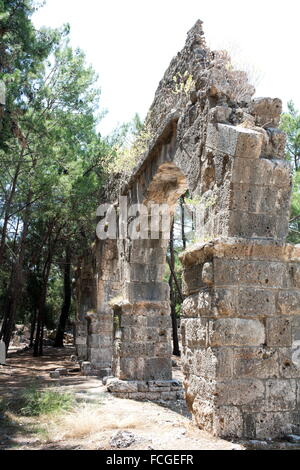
{"x":131,"y":42}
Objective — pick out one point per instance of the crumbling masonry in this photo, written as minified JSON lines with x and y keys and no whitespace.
{"x":241,"y":314}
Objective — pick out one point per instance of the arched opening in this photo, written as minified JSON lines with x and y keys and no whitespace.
{"x":146,"y":315}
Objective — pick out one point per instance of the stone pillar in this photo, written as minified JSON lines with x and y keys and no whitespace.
{"x":85,"y":296}
{"x":241,"y":332}
{"x":142,"y":364}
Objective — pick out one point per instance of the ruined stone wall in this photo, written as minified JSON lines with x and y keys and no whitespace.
{"x":241,"y":314}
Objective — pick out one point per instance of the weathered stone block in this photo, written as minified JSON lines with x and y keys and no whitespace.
{"x":236,"y":332}
{"x":289,"y":362}
{"x":130,"y":368}
{"x":158,"y":368}
{"x":168,"y":396}
{"x":139,"y":291}
{"x":266,"y":111}
{"x":279,"y":332}
{"x":210,"y":363}
{"x":256,"y":362}
{"x":226,"y":272}
{"x":256,"y":302}
{"x":136,"y":349}
{"x":256,"y":273}
{"x":120,"y":386}
{"x":280,"y":395}
{"x":241,"y":392}
{"x":208,"y":274}
{"x":198,"y":305}
{"x":289,"y":302}
{"x":235,"y":141}
{"x":273,"y":425}
{"x":225,"y":302}
{"x":163,"y":349}
{"x":228,"y":422}
{"x":203,"y":413}
{"x":194,"y":332}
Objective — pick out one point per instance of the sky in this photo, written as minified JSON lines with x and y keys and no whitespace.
{"x":130,"y":44}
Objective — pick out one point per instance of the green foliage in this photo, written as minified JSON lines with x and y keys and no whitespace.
{"x":290,"y":123}
{"x":183,"y":83}
{"x":52,"y":159}
{"x":128,"y":142}
{"x":35,"y":402}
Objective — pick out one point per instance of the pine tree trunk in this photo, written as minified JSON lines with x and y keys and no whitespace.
{"x":182,"y":201}
{"x":14,"y":291}
{"x":59,"y":340}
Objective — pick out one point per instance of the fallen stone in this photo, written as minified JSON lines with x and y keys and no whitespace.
{"x":122,"y":439}
{"x":54,"y":374}
{"x":105,"y":379}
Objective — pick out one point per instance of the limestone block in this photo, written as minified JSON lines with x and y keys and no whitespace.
{"x":256,"y":302}
{"x":235,"y":141}
{"x":251,"y":225}
{"x":198,"y":305}
{"x":219,"y":114}
{"x":225,"y":301}
{"x":158,"y":368}
{"x":228,"y":422}
{"x":139,"y":291}
{"x":93,"y":341}
{"x":289,"y":362}
{"x":120,"y":386}
{"x":203,"y":413}
{"x":159,"y":321}
{"x":131,"y":368}
{"x":192,"y":279}
{"x":208,"y":274}
{"x":163,"y":349}
{"x":210,"y":363}
{"x":261,"y":171}
{"x":132,"y":349}
{"x":267,"y":111}
{"x":295,"y":274}
{"x":289,"y":302}
{"x":256,"y":362}
{"x":263,"y":274}
{"x":236,"y":332}
{"x":226,"y":272}
{"x":275,"y":145}
{"x":194,"y":332}
{"x":241,"y":392}
{"x":138,"y":396}
{"x":279,"y":332}
{"x":168,"y":396}
{"x":143,"y":387}
{"x":280,"y":395}
{"x":273,"y":425}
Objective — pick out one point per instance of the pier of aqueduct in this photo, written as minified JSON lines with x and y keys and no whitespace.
{"x":241,"y":314}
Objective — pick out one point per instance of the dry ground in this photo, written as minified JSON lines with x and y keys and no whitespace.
{"x":97,"y":416}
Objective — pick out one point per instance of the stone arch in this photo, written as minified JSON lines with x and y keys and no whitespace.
{"x":241,"y":316}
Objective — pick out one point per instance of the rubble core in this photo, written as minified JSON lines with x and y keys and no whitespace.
{"x":241,"y":314}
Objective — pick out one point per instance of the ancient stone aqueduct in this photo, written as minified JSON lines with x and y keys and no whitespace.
{"x":241,"y":314}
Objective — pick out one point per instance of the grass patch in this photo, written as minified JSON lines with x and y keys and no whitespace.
{"x":35,"y":402}
{"x":44,"y":402}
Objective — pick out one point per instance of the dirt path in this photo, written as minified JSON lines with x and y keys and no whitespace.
{"x":98,"y":416}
